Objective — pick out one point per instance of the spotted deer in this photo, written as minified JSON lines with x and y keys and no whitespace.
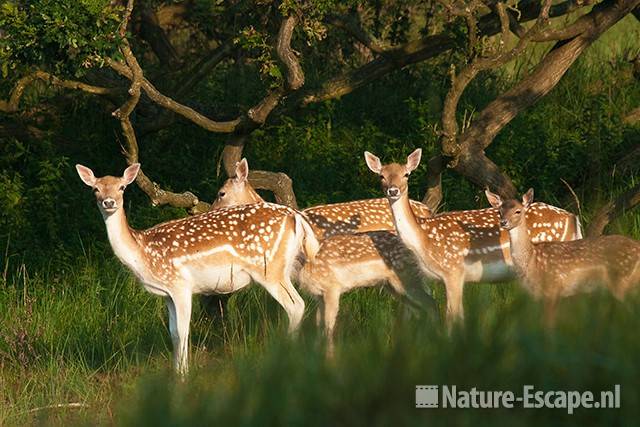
{"x":465,"y":246}
{"x":347,"y":262}
{"x":344,"y":261}
{"x":552,"y":270}
{"x":550,"y":222}
{"x":327,"y":220}
{"x":215,"y":252}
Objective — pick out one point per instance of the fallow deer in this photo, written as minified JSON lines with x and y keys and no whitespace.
{"x":459,"y":247}
{"x":216,"y":252}
{"x":347,"y":262}
{"x":326,"y":220}
{"x":552,"y":270}
{"x":344,"y":261}
{"x":359,"y":216}
{"x":236,"y":190}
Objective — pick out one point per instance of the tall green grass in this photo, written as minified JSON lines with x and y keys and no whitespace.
{"x":92,"y":336}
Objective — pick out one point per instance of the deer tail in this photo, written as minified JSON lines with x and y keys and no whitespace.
{"x":310,"y":243}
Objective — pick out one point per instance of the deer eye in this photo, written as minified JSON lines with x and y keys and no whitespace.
{"x":518,"y":211}
{"x":221,"y":194}
{"x":406,"y":175}
{"x":95,"y":189}
{"x":122,"y":187}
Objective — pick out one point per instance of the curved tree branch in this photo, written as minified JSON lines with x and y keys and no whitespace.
{"x":417,"y":51}
{"x":393,"y":59}
{"x":471,"y":160}
{"x":451,"y":148}
{"x":546,"y":75}
{"x":157,"y":195}
{"x":278,"y":183}
{"x":164,"y":101}
{"x":13,"y":104}
{"x":152,"y":33}
{"x":295,"y":75}
{"x":355,"y":30}
{"x":185,"y":85}
{"x":613,"y":209}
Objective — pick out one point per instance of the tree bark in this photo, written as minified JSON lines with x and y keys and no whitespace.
{"x":612,"y":210}
{"x":157,"y":195}
{"x":153,"y":34}
{"x":433,"y":195}
{"x":472,"y":162}
{"x":12,"y":105}
{"x":277,"y":182}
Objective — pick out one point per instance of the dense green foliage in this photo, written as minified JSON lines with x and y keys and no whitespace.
{"x":65,"y":37}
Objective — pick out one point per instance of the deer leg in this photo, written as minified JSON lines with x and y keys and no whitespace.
{"x":455,"y":310}
{"x":173,"y":329}
{"x":320,"y":313}
{"x":287,"y":296}
{"x":397,"y":285}
{"x":416,"y":293}
{"x":550,"y":312}
{"x":331,"y":308}
{"x":179,"y":305}
{"x":626,"y":281}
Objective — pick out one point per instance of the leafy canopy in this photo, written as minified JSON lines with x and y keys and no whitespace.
{"x":65,"y":37}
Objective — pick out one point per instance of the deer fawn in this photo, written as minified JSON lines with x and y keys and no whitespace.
{"x":552,"y":270}
{"x":459,"y":247}
{"x":349,"y":261}
{"x":215,"y":252}
{"x":345,"y":261}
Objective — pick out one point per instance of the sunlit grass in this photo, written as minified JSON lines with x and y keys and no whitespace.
{"x":94,"y":337}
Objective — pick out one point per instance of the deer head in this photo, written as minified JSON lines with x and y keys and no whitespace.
{"x":237,"y":190}
{"x":394,"y":177}
{"x":512,"y":212}
{"x":109,"y":190}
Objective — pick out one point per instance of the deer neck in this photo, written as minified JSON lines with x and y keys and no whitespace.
{"x":521,"y":246}
{"x":406,"y":224}
{"x":254,"y":196}
{"x":123,"y":241}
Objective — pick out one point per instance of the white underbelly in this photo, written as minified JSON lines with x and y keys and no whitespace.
{"x":216,"y":279}
{"x":362,"y":274}
{"x":488,"y":272}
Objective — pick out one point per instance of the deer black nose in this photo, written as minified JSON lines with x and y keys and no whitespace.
{"x":393,"y":192}
{"x":503,"y":223}
{"x":108,"y":203}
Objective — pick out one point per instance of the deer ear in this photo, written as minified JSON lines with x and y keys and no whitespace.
{"x":494,"y":199}
{"x":86,"y":175}
{"x":131,"y":172}
{"x":413,"y":160}
{"x":373,"y":162}
{"x":242,"y":171}
{"x":527,"y":199}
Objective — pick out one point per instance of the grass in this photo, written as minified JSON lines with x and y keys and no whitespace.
{"x":92,"y":336}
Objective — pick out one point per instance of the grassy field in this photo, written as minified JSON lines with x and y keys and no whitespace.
{"x":92,"y":337}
